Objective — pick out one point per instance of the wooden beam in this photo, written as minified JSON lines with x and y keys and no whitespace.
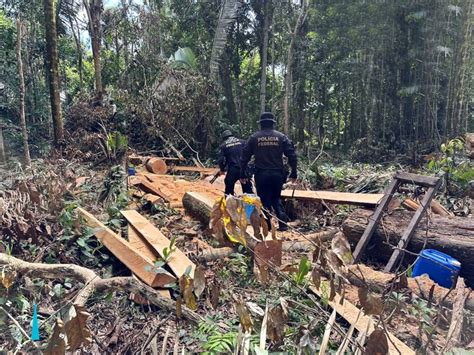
{"x":149,"y":187}
{"x":408,"y":178}
{"x":177,"y":261}
{"x":334,"y":197}
{"x":140,"y":245}
{"x":405,"y":239}
{"x":361,"y":321}
{"x":126,"y":253}
{"x":374,"y":220}
{"x":196,"y":169}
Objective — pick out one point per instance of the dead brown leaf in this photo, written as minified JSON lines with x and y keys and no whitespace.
{"x":377,"y":343}
{"x":276,"y":324}
{"x":7,"y":277}
{"x":372,"y":305}
{"x":335,"y":263}
{"x":256,"y":223}
{"x":244,"y":316}
{"x":316,"y":277}
{"x":186,"y":288}
{"x":78,"y":334}
{"x":214,"y":294}
{"x":179,"y":307}
{"x":199,"y":281}
{"x":56,"y":343}
{"x":340,"y":246}
{"x":332,"y":292}
{"x":316,"y":253}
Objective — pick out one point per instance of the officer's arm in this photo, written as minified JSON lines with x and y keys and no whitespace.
{"x":247,"y":153}
{"x":290,"y":152}
{"x":221,"y":161}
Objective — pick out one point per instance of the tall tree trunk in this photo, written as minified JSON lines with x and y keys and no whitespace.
{"x":26,"y":150}
{"x":77,"y":41}
{"x":227,"y":85}
{"x":289,"y":67}
{"x":53,"y":71}
{"x":94,"y":9}
{"x":263,"y":61}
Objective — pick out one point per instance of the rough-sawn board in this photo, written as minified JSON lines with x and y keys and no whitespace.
{"x":139,"y":264}
{"x":177,"y":261}
{"x":334,"y":197}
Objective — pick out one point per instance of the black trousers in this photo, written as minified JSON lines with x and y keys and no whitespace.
{"x":231,"y":177}
{"x":269,"y":184}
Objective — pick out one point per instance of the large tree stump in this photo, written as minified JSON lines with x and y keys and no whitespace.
{"x":451,"y":235}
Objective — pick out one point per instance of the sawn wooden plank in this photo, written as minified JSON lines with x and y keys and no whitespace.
{"x":334,"y":197}
{"x":177,"y":261}
{"x":362,"y":322}
{"x":126,"y":253}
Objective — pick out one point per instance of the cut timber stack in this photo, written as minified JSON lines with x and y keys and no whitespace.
{"x":138,"y":263}
{"x":451,"y":235}
{"x":177,"y":260}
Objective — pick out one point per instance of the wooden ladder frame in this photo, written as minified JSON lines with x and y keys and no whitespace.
{"x":432,"y":183}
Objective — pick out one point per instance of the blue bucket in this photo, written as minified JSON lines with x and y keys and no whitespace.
{"x":440,"y":267}
{"x":131,"y":171}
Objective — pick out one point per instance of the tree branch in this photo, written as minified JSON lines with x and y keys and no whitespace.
{"x":94,"y":283}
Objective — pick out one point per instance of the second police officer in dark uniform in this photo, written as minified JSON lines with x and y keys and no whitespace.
{"x":229,"y":159}
{"x":268,"y":146}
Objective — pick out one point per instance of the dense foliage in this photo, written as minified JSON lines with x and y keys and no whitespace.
{"x":376,"y":77}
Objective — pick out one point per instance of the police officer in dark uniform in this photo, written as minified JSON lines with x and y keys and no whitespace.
{"x":268,"y":146}
{"x":229,"y":159}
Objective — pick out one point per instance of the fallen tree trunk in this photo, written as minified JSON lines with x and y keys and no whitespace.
{"x":199,"y":206}
{"x":379,"y":281}
{"x":451,"y":235}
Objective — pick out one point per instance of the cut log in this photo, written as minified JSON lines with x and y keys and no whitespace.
{"x":380,"y":281}
{"x":199,"y":206}
{"x":361,"y":321}
{"x":436,"y":207}
{"x":177,"y":260}
{"x":334,"y":197}
{"x":451,"y":235}
{"x":126,"y":253}
{"x":156,"y":166}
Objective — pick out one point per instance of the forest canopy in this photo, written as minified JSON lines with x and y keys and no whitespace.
{"x":374,"y":77}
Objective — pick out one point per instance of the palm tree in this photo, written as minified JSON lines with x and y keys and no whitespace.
{"x":227,"y":18}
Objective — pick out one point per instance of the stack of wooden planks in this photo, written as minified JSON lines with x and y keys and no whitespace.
{"x":146,"y":244}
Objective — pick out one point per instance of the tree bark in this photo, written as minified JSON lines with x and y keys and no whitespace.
{"x":77,"y":40}
{"x":21,"y":89}
{"x":450,"y":235}
{"x":94,"y":283}
{"x":94,"y":9}
{"x":227,"y":85}
{"x":263,"y":61}
{"x":289,"y":68}
{"x":52,"y":64}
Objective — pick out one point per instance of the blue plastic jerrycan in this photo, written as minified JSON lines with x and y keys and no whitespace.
{"x":440,"y":267}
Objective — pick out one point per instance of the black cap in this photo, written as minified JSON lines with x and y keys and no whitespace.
{"x":267,"y":116}
{"x":226,"y":134}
